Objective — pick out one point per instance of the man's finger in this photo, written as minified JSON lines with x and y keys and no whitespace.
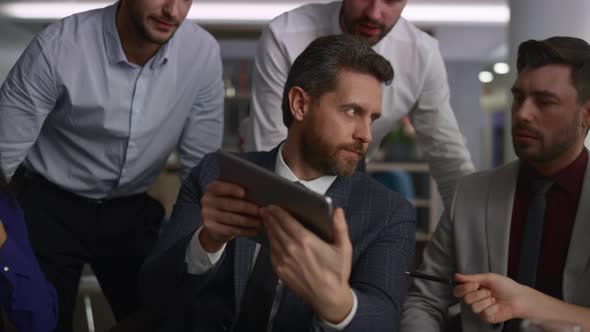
{"x":220,"y":188}
{"x":229,"y":204}
{"x":340,"y":228}
{"x":276,"y":234}
{"x":473,"y":297}
{"x":481,"y":305}
{"x":480,"y":278}
{"x":490,"y":314}
{"x":287,"y":222}
{"x":238,"y":220}
{"x":463,"y":289}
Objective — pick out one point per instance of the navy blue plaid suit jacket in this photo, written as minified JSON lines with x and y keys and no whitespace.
{"x":382,"y":230}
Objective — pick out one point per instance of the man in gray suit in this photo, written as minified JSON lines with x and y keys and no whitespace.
{"x":199,"y":272}
{"x":490,"y":227}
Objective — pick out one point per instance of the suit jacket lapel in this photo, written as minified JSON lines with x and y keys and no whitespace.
{"x":339,"y":191}
{"x":579,"y":248}
{"x":499,"y":215}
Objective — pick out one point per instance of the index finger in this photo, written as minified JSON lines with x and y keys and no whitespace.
{"x":287,"y":223}
{"x":220,"y":188}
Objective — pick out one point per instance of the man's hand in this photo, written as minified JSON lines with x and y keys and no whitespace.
{"x":225,"y":214}
{"x":3,"y":235}
{"x":493,"y":297}
{"x":316,"y":271}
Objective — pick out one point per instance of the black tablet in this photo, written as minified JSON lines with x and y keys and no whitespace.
{"x":263,"y":187}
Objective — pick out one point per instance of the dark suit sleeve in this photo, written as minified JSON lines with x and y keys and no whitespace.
{"x":163,"y":278}
{"x":378,"y":276}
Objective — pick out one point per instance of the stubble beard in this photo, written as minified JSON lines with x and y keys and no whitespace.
{"x":566,"y":138}
{"x":352,"y":27}
{"x":143,"y":29}
{"x":323,"y":158}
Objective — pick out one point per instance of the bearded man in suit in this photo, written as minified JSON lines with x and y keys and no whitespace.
{"x":206,"y":259}
{"x":526,"y":220}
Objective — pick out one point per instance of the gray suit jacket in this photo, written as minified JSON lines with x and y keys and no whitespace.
{"x":473,"y":238}
{"x":381,"y":227}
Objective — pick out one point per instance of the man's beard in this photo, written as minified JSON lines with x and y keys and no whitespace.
{"x":383,"y":29}
{"x":566,"y":138}
{"x":141,"y":26}
{"x":324,"y":158}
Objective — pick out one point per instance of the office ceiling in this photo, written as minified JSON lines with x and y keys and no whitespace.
{"x":309,"y":1}
{"x":458,"y":42}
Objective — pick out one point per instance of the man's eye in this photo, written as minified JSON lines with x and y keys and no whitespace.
{"x":351,"y":112}
{"x":546,"y":102}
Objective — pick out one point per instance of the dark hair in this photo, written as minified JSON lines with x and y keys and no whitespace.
{"x":570,"y":51}
{"x":317,"y":68}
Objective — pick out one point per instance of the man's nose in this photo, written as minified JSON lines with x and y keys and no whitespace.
{"x":363,"y":132}
{"x":525,"y":111}
{"x":374,"y":10}
{"x":172,"y":9}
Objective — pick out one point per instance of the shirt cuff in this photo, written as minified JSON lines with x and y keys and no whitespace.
{"x":198,"y":261}
{"x":16,"y":274}
{"x":343,"y":324}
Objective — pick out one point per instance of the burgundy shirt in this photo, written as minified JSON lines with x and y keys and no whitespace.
{"x":560,"y":214}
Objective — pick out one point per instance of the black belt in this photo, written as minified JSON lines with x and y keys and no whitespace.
{"x":34,"y":178}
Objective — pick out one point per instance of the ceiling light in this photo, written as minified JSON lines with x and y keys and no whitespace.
{"x":486,"y":77}
{"x":221,"y":12}
{"x":457,"y":14}
{"x":46,"y":10}
{"x":501,"y":68}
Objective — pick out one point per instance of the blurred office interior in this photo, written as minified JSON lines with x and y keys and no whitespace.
{"x":476,"y":38}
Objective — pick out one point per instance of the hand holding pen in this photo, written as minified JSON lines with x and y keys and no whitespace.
{"x":424,"y":276}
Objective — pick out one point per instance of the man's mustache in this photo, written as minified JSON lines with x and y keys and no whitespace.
{"x":368,"y":21}
{"x":357,"y":147}
{"x":522,"y":127}
{"x":167,"y":20}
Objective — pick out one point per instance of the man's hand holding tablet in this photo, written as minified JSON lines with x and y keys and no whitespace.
{"x":263,"y":188}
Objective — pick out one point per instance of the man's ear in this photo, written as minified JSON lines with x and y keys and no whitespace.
{"x":586,"y":115}
{"x":298,"y":103}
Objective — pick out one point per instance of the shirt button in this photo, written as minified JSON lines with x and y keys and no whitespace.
{"x":6,"y":269}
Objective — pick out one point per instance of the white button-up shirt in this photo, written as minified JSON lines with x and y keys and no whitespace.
{"x":419,"y":88}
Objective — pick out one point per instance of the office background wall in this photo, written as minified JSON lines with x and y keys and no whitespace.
{"x":13,"y":40}
{"x":466,"y":50}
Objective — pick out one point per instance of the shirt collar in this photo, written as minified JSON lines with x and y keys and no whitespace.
{"x":319,"y":185}
{"x":569,"y":178}
{"x":161,"y":58}
{"x":114,"y":48}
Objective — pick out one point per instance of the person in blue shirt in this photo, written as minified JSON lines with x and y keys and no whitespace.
{"x":89,"y":115}
{"x":29,"y":300}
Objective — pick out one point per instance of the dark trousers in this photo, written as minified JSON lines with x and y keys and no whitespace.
{"x":113,"y":237}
